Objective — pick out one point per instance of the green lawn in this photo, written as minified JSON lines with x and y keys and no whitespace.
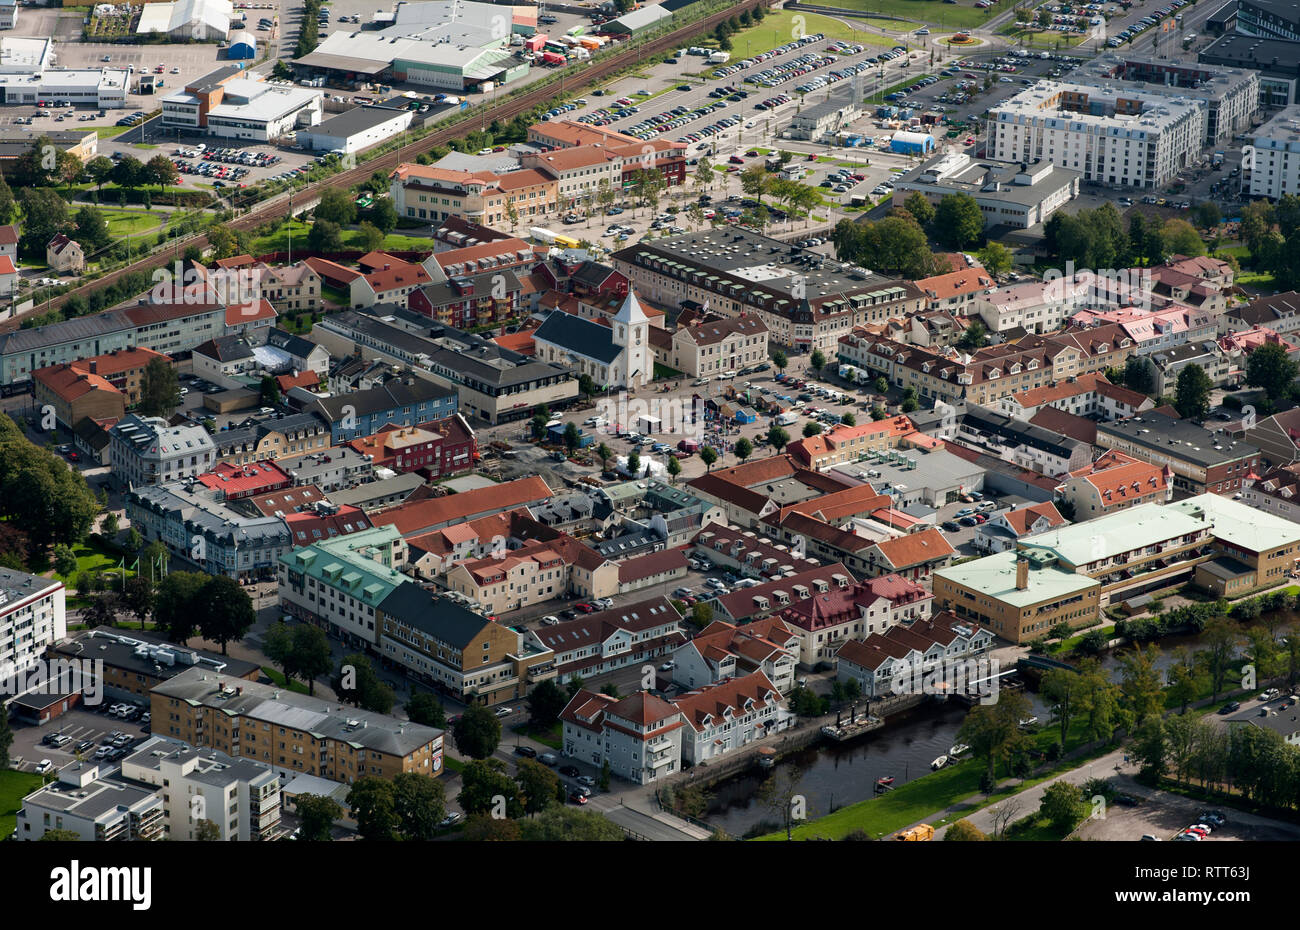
{"x":779,"y":28}
{"x":298,"y":230}
{"x":14,"y":786}
{"x":108,"y":132}
{"x":935,"y":12}
{"x":91,"y":557}
{"x":548,"y":737}
{"x":452,"y":765}
{"x":1046,"y":39}
{"x":1257,"y":279}
{"x":124,"y":223}
{"x":279,"y":679}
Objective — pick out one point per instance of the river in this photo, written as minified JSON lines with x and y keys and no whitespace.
{"x":837,"y":775}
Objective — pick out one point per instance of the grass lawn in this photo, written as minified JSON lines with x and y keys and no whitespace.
{"x":335,"y":295}
{"x":779,"y":28}
{"x":923,"y":11}
{"x":91,"y":558}
{"x":1257,"y":279}
{"x":1047,"y":39}
{"x":14,"y":786}
{"x":108,"y":132}
{"x":453,"y":765}
{"x":124,"y":223}
{"x":279,"y":240}
{"x":548,"y":737}
{"x":278,"y":678}
{"x":1035,"y":830}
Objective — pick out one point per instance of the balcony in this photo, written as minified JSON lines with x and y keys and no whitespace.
{"x":659,"y":761}
{"x":659,"y":744}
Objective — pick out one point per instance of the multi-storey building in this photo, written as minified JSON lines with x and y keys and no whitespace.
{"x":96,"y":809}
{"x":33,"y":616}
{"x":727,"y":715}
{"x":147,"y":451}
{"x":240,"y":796}
{"x":1018,"y":196}
{"x":640,"y":735}
{"x":723,"y":650}
{"x":1114,"y":481}
{"x":273,"y":438}
{"x":611,"y":639}
{"x":1114,"y":135}
{"x":805,"y":300}
{"x":290,"y":732}
{"x":426,"y":192}
{"x":890,"y":663}
{"x":707,"y":349}
{"x":401,"y":401}
{"x":1200,"y":459}
{"x":1274,"y":167}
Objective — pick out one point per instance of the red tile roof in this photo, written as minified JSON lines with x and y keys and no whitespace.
{"x":737,"y":696}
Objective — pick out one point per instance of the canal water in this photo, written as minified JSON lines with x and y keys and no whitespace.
{"x":837,"y":775}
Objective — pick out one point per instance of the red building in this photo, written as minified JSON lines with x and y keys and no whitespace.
{"x":236,"y":481}
{"x":433,"y":449}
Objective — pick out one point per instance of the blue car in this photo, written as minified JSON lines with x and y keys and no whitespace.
{"x":964,"y":512}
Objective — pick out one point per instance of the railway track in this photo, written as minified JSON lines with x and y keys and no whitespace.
{"x":503,"y":112}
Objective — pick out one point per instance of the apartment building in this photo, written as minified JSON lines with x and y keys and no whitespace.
{"x":1275,"y":168}
{"x":1201,"y":460}
{"x":1115,"y":135}
{"x":148,"y":451}
{"x":338,"y":584}
{"x":458,"y":651}
{"x":707,"y":349}
{"x":728,"y":715}
{"x":805,"y":301}
{"x":197,"y":526}
{"x":822,"y":622}
{"x":290,"y":732}
{"x":403,"y":401}
{"x":97,"y":809}
{"x":33,"y":616}
{"x":723,"y":650}
{"x":240,"y":796}
{"x":581,"y":172}
{"x":640,"y":735}
{"x":537,"y":571}
{"x":844,"y":444}
{"x":607,"y":640}
{"x":280,"y":436}
{"x":889,"y":663}
{"x":426,"y":192}
{"x":1018,"y":196}
{"x":1113,"y":482}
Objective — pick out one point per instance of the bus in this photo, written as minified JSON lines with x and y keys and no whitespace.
{"x":566,"y":242}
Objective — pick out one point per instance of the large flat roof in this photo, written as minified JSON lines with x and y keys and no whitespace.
{"x":995,"y":575}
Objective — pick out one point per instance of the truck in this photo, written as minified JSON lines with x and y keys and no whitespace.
{"x":787,"y":419}
{"x":719,"y":58}
{"x":552,"y":58}
{"x":1218,"y":159}
{"x":918,"y":834}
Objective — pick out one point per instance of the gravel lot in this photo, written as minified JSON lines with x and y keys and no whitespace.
{"x":1163,"y":815}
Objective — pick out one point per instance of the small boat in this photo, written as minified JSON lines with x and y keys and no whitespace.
{"x":958,"y":750}
{"x":1029,"y":721}
{"x":939,"y":763}
{"x":766,"y":757}
{"x":887,"y":780}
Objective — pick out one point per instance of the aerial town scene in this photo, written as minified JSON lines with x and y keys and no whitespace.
{"x":698,"y":420}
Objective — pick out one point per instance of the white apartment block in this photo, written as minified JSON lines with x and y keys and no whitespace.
{"x":96,"y":809}
{"x":33,"y":615}
{"x":1273,"y":165}
{"x":147,"y":451}
{"x":640,"y":735}
{"x":1123,"y":137}
{"x":240,"y":796}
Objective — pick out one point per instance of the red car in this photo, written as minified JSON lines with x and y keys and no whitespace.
{"x":74,"y":456}
{"x":586,"y":608}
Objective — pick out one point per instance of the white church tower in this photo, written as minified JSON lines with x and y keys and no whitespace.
{"x":632,"y":333}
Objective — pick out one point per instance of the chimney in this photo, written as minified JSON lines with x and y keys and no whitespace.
{"x":94,"y":367}
{"x":1022,"y":574}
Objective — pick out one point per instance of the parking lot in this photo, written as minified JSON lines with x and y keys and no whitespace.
{"x":1163,"y":815}
{"x":89,"y":728}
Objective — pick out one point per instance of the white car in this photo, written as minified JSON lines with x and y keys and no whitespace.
{"x":668,"y":666}
{"x":550,"y":620}
{"x":45,"y":765}
{"x":504,"y":711}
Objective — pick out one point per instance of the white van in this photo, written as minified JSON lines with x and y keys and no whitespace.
{"x":786,"y":419}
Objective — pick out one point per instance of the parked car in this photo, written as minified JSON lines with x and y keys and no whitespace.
{"x":569,"y":771}
{"x":453,"y":818}
{"x":526,"y":751}
{"x":548,"y":758}
{"x":504,"y":711}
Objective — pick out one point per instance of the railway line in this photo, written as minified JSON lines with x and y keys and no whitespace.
{"x":507,"y":110}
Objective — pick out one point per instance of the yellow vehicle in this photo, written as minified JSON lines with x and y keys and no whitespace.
{"x":917,"y":834}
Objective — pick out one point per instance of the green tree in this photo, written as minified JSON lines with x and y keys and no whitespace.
{"x":779,"y":360}
{"x":425,"y":709}
{"x":482,"y":781}
{"x":1270,"y":368}
{"x":569,"y":824}
{"x":373,"y":803}
{"x":777,"y":438}
{"x":60,"y":836}
{"x":312,"y":658}
{"x":634,"y":465}
{"x":372,"y":238}
{"x":161,"y":171}
{"x":160,"y":390}
{"x":708,"y":455}
{"x":325,"y":236}
{"x":45,"y":213}
{"x":138,"y":597}
{"x":382,"y":215}
{"x":355,"y":681}
{"x":975,"y":336}
{"x":1192,"y":393}
{"x":963,"y":831}
{"x":1140,"y":683}
{"x":920,"y":207}
{"x":1207,"y":214}
{"x":316,"y":816}
{"x":207,"y":831}
{"x":176,"y":606}
{"x":1180,"y":238}
{"x":743,"y":449}
{"x":993,"y":730}
{"x":1063,"y":805}
{"x":90,"y":229}
{"x":572,"y":436}
{"x":1138,"y":376}
{"x":65,"y":562}
{"x":538,"y":786}
{"x":336,"y":206}
{"x":604,"y":454}
{"x":996,"y":258}
{"x":545,"y":703}
{"x":419,"y":804}
{"x":817,"y":361}
{"x":129,"y":172}
{"x":674,"y":468}
{"x":224,"y":610}
{"x":6,"y":740}
{"x":477,"y":733}
{"x":277,"y":645}
{"x":958,"y":221}
{"x":811,"y":428}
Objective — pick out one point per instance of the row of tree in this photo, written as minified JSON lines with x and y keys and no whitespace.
{"x":1096,"y":239}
